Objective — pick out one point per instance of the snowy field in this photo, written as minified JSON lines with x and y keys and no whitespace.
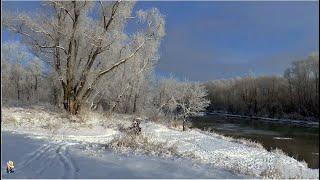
{"x":35,"y":158}
{"x":214,"y":150}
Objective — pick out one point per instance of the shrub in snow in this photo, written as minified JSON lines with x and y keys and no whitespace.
{"x":141,"y":144}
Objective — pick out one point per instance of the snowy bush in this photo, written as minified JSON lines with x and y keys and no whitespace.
{"x":141,"y":144}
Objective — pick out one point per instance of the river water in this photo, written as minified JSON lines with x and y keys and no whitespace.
{"x":298,"y":142}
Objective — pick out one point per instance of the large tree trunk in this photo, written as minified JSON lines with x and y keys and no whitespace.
{"x":72,"y":106}
{"x":71,"y":103}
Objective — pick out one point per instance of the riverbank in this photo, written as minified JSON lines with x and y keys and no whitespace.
{"x":241,"y":157}
{"x":301,"y":143}
{"x":45,"y":159}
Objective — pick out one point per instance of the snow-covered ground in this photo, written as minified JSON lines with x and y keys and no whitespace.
{"x":209,"y":148}
{"x":35,"y":158}
{"x":223,"y":152}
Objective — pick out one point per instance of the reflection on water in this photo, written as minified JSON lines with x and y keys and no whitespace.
{"x":298,"y":142}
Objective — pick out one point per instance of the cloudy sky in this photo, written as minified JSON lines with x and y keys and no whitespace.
{"x":214,"y":40}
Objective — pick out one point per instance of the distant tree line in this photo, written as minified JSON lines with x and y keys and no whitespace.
{"x":293,"y":95}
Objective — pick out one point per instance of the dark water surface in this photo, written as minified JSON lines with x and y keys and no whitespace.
{"x":298,"y":142}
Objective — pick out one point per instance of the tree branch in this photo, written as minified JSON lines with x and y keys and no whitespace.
{"x":87,"y":93}
{"x":106,"y":24}
{"x":121,"y":61}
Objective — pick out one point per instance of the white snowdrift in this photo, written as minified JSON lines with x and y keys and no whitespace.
{"x":204,"y":147}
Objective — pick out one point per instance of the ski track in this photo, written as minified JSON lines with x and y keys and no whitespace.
{"x":42,"y":156}
{"x":68,"y":165}
{"x":77,"y":169}
{"x":34,"y":156}
{"x":50,"y":160}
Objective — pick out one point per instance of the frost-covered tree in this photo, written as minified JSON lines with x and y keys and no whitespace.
{"x":22,"y":75}
{"x":181,"y":99}
{"x":13,"y":58}
{"x":86,"y":44}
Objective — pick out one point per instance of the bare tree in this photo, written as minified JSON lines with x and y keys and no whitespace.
{"x":303,"y":79}
{"x":85,"y":42}
{"x":181,"y":99}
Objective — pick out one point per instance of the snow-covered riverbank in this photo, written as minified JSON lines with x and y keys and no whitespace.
{"x":36,"y":158}
{"x":224,"y":152}
{"x":209,"y":148}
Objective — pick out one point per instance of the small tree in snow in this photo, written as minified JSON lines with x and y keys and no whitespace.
{"x":182,"y":99}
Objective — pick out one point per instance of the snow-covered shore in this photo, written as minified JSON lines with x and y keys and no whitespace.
{"x":222,"y":152}
{"x":45,"y":159}
{"x":205,"y":147}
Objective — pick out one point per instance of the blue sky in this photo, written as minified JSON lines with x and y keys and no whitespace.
{"x":214,"y":40}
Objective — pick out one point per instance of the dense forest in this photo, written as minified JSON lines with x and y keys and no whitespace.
{"x":293,"y":95}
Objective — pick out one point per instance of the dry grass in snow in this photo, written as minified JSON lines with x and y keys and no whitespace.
{"x":140,"y":144}
{"x":58,"y":125}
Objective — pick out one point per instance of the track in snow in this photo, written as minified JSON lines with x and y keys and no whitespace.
{"x":36,"y":158}
{"x":48,"y":156}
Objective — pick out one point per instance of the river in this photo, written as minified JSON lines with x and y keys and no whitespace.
{"x":298,"y":142}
